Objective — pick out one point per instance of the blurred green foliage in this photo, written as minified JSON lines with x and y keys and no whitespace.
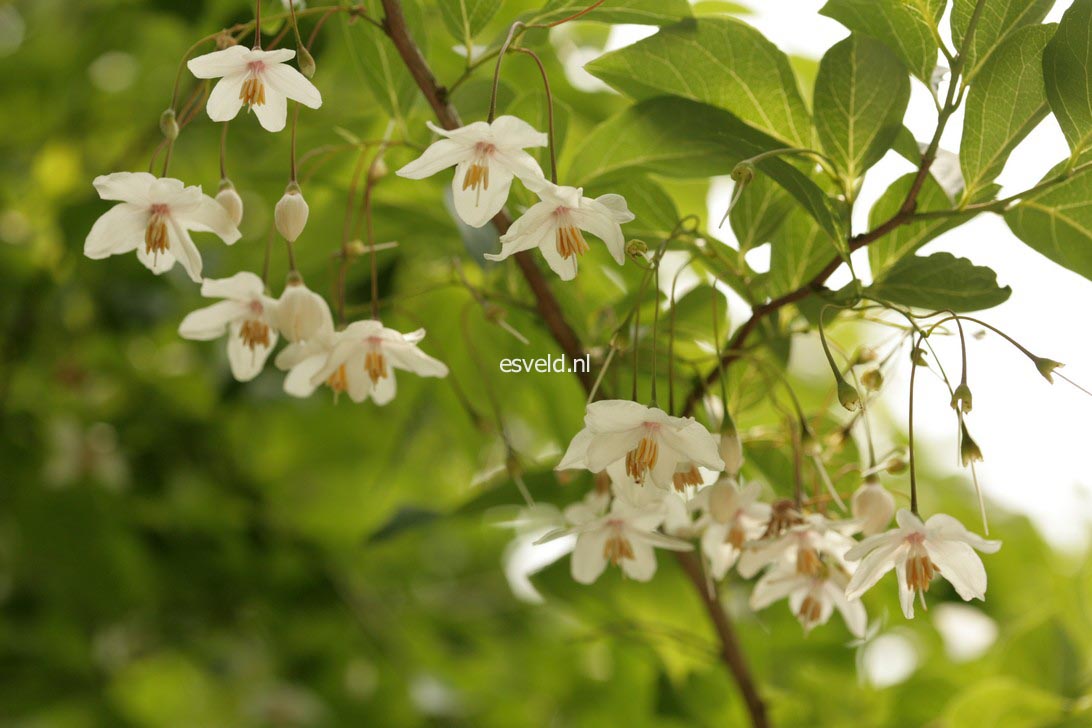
{"x":177,"y":549}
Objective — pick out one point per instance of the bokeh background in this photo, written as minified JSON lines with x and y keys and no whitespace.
{"x":177,"y":549}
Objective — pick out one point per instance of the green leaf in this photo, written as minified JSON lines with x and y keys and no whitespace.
{"x":378,"y":63}
{"x":799,"y":249}
{"x":703,"y":8}
{"x":722,"y":62}
{"x":1058,"y":222}
{"x":639,"y":12}
{"x":679,"y":138}
{"x":940,"y":281}
{"x":997,"y":20}
{"x":1003,"y":106}
{"x":1068,"y":75}
{"x":860,"y":98}
{"x":907,"y":27}
{"x":466,"y":18}
{"x":1004,"y":702}
{"x":904,"y":240}
{"x":760,"y":211}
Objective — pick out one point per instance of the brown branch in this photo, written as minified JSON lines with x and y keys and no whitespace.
{"x":731,"y":652}
{"x":394,"y":23}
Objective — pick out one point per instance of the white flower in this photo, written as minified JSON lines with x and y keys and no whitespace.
{"x":917,"y":552}
{"x":873,"y":506}
{"x":303,"y":359}
{"x":677,"y":519}
{"x":302,"y":313}
{"x":651,"y":442}
{"x":486,"y":157}
{"x":291,"y":212}
{"x":802,"y":547}
{"x":363,"y":360}
{"x":246,"y":312}
{"x":625,"y":536}
{"x":732,"y":517}
{"x":260,"y":79}
{"x":556,"y":226}
{"x":812,"y":598}
{"x":230,"y":200}
{"x":155,"y":218}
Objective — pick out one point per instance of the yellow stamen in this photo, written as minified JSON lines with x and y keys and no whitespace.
{"x":254,"y":333}
{"x":570,"y":241}
{"x":808,"y":562}
{"x":617,"y":548}
{"x":155,"y":235}
{"x":375,"y":364}
{"x":642,"y":458}
{"x":735,"y":537}
{"x":477,"y":176}
{"x":810,"y":610}
{"x":338,"y":381}
{"x":687,"y":477}
{"x":253,"y":91}
{"x":920,"y":571}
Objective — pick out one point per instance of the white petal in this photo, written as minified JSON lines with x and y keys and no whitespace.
{"x":566,"y":268}
{"x":225,"y":100}
{"x":124,"y":186}
{"x":384,"y":390}
{"x":908,"y":521}
{"x":247,"y":363}
{"x":210,"y":216}
{"x":852,"y":610}
{"x":949,"y":528}
{"x":273,"y":114}
{"x":119,"y":230}
{"x":299,"y":382}
{"x":773,"y":587}
{"x":291,"y":83}
{"x":906,"y":594}
{"x":960,"y":565}
{"x":275,"y":56}
{"x":158,"y":263}
{"x":414,"y":360}
{"x":185,"y":251}
{"x":478,"y":207}
{"x":521,"y":164}
{"x":873,"y":567}
{"x":695,"y":444}
{"x":512,"y":131}
{"x":598,"y":220}
{"x":588,"y":560}
{"x":439,"y":156}
{"x":468,"y":135}
{"x":243,"y":286}
{"x":219,"y":63}
{"x":210,"y":322}
{"x":541,"y":234}
{"x":576,"y":455}
{"x":642,"y":567}
{"x":608,"y":447}
{"x":617,"y":206}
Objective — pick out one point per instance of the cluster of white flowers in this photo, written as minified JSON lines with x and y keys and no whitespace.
{"x":487,"y":157}
{"x":155,"y":217}
{"x":641,"y":503}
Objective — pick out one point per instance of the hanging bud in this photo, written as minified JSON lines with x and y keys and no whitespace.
{"x":723,"y":501}
{"x":969,"y":451}
{"x":743,"y":172}
{"x":168,"y":124}
{"x":301,"y":313}
{"x":377,"y":171}
{"x":731,"y":449}
{"x":917,"y":356}
{"x":306,"y":62}
{"x":848,"y":395}
{"x":873,"y":506}
{"x":231,"y":202}
{"x":872,"y":380}
{"x":896,"y":465}
{"x":637,"y":249}
{"x":291,"y":213}
{"x":961,"y":398}
{"x":1046,"y":367}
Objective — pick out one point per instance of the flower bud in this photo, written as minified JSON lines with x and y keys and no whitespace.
{"x":961,"y":398}
{"x":743,"y":172}
{"x":637,"y":249}
{"x":1046,"y":367}
{"x":969,"y":452}
{"x":231,"y":202}
{"x":291,"y":213}
{"x":872,"y":380}
{"x":306,"y":62}
{"x":168,"y":124}
{"x":301,"y":313}
{"x":848,"y":395}
{"x":873,"y":506}
{"x":731,"y":449}
{"x":377,"y":171}
{"x":723,"y":501}
{"x":896,"y":465}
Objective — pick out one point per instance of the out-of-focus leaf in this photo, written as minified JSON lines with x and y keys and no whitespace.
{"x":1005,"y":703}
{"x":466,"y":18}
{"x":1068,"y":75}
{"x":997,"y":20}
{"x":638,"y":12}
{"x":940,"y":281}
{"x":861,"y":94}
{"x":722,"y":62}
{"x":1003,"y":106}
